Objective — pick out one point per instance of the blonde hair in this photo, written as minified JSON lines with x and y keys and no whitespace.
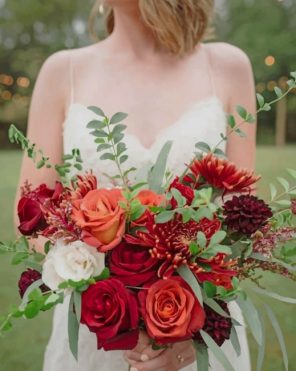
{"x":178,"y":25}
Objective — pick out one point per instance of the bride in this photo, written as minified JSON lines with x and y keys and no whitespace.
{"x":154,"y":66}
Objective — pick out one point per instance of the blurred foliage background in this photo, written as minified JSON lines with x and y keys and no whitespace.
{"x":31,"y":30}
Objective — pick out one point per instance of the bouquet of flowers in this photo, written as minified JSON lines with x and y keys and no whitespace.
{"x":166,"y":255}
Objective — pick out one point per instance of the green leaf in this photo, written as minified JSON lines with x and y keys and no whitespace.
{"x":252,"y":318}
{"x":32,"y":309}
{"x":292,"y":172}
{"x":210,"y":289}
{"x":284,"y":203}
{"x":96,"y":124}
{"x":216,"y":307}
{"x":119,"y":116}
{"x":181,"y":201}
{"x":73,"y":329}
{"x":104,"y":275}
{"x":231,"y":121}
{"x":273,"y":191}
{"x":40,"y":164}
{"x":97,"y":111}
{"x":30,"y":289}
{"x":279,"y":334}
{"x":190,"y":278}
{"x":107,"y":156}
{"x":78,"y":167}
{"x":117,"y":137}
{"x":47,"y":246}
{"x":204,"y":147}
{"x":240,"y":133}
{"x":194,"y":249}
{"x":278,"y":92}
{"x":293,"y":74}
{"x":202,"y":356}
{"x":261,"y":348}
{"x":118,"y":129}
{"x":77,"y":305}
{"x":242,"y":112}
{"x":123,"y":158}
{"x":250,"y":118}
{"x":156,"y":174}
{"x":38,"y":257}
{"x":274,"y":295}
{"x":99,"y":133}
{"x":137,"y":213}
{"x":103,"y":146}
{"x":19,"y":258}
{"x":284,"y":183}
{"x":165,"y":216}
{"x":260,"y":100}
{"x":121,"y":147}
{"x":52,"y":299}
{"x":235,"y":341}
{"x":217,"y":238}
{"x":217,"y":351}
{"x":266,"y":107}
{"x":201,"y":239}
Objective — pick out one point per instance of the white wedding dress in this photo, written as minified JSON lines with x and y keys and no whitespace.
{"x":204,"y":121}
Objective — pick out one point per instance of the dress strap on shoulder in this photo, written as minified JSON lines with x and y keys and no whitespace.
{"x":210,"y":69}
{"x":71,"y":77}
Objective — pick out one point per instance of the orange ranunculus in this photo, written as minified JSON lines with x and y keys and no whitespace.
{"x":171,"y":311}
{"x":100,"y":217}
{"x":147,"y":198}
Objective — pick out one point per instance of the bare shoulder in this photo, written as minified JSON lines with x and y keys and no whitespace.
{"x":229,"y":58}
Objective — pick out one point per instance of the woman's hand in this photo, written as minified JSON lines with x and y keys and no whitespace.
{"x":144,"y":358}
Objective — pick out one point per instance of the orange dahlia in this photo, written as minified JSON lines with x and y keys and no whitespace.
{"x":221,"y":174}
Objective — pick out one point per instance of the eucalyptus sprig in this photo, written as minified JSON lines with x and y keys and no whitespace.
{"x":246,"y":118}
{"x":109,"y":134}
{"x":41,"y":160}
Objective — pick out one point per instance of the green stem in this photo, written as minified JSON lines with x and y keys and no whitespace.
{"x":115,"y":156}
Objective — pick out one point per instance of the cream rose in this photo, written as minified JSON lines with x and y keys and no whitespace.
{"x":75,"y":261}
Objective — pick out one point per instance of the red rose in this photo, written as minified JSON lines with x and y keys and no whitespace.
{"x":185,"y":191}
{"x":133,"y":265}
{"x":26,"y":280}
{"x":171,"y":311}
{"x":29,"y":211}
{"x":111,"y":312}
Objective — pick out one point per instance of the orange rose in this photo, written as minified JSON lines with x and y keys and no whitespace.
{"x":100,"y":217}
{"x":171,"y":311}
{"x":147,"y":198}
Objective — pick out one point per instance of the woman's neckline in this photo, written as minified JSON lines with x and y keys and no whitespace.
{"x":195,"y":106}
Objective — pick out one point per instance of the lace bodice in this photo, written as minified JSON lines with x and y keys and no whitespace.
{"x":203,"y":121}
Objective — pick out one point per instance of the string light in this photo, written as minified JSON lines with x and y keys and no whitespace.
{"x":269,"y":60}
{"x":6,"y":95}
{"x":6,"y":80}
{"x":23,"y":82}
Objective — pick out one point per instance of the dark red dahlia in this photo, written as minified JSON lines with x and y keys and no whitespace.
{"x":169,"y":242}
{"x":185,"y":191}
{"x":217,"y":326}
{"x":246,"y":214}
{"x":221,"y":174}
{"x":26,"y":280}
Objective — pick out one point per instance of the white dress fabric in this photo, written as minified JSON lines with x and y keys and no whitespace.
{"x":204,"y":121}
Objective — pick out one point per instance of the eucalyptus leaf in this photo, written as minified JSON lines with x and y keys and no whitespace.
{"x":165,"y":216}
{"x":273,"y":191}
{"x":260,"y":99}
{"x":30,"y":289}
{"x":284,"y":183}
{"x":98,"y":111}
{"x":274,"y":295}
{"x":190,"y":278}
{"x":119,"y":116}
{"x":96,"y":124}
{"x":73,"y":329}
{"x":77,"y":305}
{"x":217,"y":351}
{"x":107,"y":156}
{"x":202,"y":356}
{"x":204,"y":147}
{"x":216,"y":307}
{"x":279,"y":334}
{"x":231,"y":121}
{"x":242,"y":112}
{"x":278,"y":92}
{"x":123,"y":158}
{"x":235,"y":341}
{"x":292,"y":172}
{"x":217,"y":238}
{"x":156,"y":174}
{"x":252,"y":318}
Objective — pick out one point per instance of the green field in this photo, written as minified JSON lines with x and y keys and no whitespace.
{"x":22,"y":348}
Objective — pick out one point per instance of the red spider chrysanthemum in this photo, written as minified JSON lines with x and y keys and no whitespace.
{"x":170,"y":243}
{"x":221,"y":174}
{"x":84,"y":184}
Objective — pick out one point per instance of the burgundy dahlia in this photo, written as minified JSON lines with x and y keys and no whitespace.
{"x":27,"y":278}
{"x":293,"y":206}
{"x":246,"y":214}
{"x":217,"y":326}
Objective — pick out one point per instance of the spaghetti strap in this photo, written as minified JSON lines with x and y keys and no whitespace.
{"x":210,"y":70}
{"x":71,"y":77}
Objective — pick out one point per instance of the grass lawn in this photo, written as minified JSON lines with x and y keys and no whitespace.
{"x":22,"y":348}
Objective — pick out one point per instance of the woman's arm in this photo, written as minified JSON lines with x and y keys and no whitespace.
{"x":46,"y":115}
{"x":234,"y":82}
